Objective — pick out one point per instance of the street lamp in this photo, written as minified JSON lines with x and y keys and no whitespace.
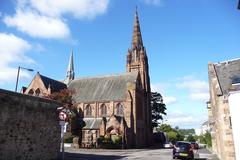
{"x":18,"y":75}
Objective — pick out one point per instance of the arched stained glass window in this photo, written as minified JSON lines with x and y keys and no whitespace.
{"x":103,"y":110}
{"x":88,"y":110}
{"x":119,"y":109}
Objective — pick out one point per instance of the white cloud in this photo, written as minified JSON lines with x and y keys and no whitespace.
{"x":78,"y":8}
{"x":47,"y":18}
{"x":169,"y":100}
{"x":159,"y":87}
{"x":198,"y":89}
{"x":153,"y":2}
{"x":38,"y":47}
{"x":37,"y":25}
{"x":12,"y":50}
{"x":178,"y":118}
{"x":193,"y":85}
{"x":204,"y":97}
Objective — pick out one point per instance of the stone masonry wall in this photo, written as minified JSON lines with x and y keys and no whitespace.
{"x":29,"y":128}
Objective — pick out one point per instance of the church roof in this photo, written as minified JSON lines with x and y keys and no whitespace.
{"x":228,"y":73}
{"x":55,"y":86}
{"x":102,"y":88}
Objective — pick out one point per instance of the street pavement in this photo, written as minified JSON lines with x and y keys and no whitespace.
{"x":129,"y":154}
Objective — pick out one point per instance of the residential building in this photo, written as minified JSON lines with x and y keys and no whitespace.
{"x":224,"y":79}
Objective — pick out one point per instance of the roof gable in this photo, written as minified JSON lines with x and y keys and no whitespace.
{"x":55,"y":86}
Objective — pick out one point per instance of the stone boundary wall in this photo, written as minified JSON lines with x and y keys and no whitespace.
{"x":29,"y":127}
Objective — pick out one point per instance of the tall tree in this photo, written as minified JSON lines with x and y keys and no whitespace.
{"x":158,"y":108}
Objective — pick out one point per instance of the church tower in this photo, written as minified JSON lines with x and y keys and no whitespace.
{"x":137,"y":60}
{"x":70,"y":70}
{"x":137,"y":57}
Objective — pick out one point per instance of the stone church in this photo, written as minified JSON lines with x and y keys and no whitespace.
{"x":110,"y":104}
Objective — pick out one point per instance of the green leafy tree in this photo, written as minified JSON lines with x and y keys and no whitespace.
{"x":165,"y":128}
{"x":158,"y":108}
{"x":74,"y":118}
{"x":208,"y":139}
{"x":205,"y":139}
{"x":173,"y":135}
{"x":190,"y":138}
{"x":187,"y":131}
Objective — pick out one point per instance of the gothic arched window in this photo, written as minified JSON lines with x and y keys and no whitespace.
{"x":88,"y":110}
{"x":119,"y":109}
{"x":103,"y":110}
{"x":37,"y":92}
{"x":31,"y":92}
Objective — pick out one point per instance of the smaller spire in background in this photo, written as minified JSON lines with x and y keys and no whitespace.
{"x":70,"y":70}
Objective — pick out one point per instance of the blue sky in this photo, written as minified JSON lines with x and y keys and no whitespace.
{"x":181,"y":38}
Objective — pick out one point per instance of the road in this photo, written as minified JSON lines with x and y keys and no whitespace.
{"x":131,"y":154}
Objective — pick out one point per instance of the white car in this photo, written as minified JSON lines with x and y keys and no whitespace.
{"x":168,"y":145}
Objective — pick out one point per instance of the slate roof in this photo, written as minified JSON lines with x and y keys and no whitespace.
{"x":92,"y":123}
{"x":55,"y":86}
{"x":102,"y":88}
{"x":228,"y":73}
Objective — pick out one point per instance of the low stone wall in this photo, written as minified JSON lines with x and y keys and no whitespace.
{"x":29,"y":127}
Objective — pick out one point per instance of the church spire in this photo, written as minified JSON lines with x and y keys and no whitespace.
{"x":70,"y":69}
{"x":137,"y":37}
{"x":137,"y":60}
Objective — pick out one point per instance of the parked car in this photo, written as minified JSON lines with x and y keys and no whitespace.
{"x":183,"y":150}
{"x":168,"y":145}
{"x":195,"y":145}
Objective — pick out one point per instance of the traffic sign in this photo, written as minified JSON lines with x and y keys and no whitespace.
{"x":62,"y":116}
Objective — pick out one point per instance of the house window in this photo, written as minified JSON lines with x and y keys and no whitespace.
{"x":88,"y":110}
{"x":103,"y":110}
{"x":119,"y":109}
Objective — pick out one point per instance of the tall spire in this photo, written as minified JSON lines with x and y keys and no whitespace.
{"x":137,"y":37}
{"x":70,"y":69}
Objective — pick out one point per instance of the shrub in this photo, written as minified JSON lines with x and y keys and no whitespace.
{"x":116,"y":139}
{"x":110,"y":143}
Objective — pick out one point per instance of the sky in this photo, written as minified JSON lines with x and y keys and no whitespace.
{"x":181,"y":37}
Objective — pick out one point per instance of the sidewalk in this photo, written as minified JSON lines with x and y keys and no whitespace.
{"x":206,"y":154}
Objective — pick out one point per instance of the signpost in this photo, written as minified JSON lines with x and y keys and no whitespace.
{"x":62,"y":116}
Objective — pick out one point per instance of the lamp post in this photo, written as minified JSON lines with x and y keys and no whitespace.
{"x":28,"y":69}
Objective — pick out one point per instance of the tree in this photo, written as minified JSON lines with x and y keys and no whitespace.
{"x":165,"y":128}
{"x":205,"y":139}
{"x":74,"y":118}
{"x":173,"y":135}
{"x":190,"y":138}
{"x":158,"y":108}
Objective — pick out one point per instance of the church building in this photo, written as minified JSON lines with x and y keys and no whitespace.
{"x":111,"y":104}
